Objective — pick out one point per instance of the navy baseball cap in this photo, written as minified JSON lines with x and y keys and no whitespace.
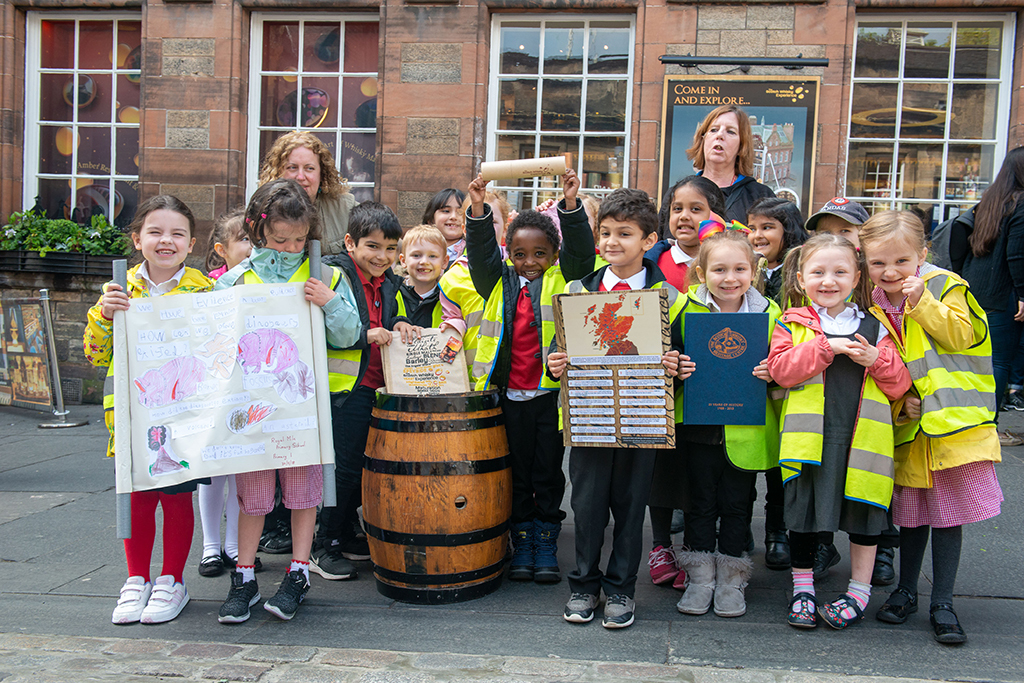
{"x":849,"y":211}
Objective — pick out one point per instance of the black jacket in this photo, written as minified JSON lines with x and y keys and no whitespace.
{"x":420,"y":310}
{"x":997,"y":278}
{"x":741,"y":195}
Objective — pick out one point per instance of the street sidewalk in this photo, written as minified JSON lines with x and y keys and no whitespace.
{"x":61,"y":568}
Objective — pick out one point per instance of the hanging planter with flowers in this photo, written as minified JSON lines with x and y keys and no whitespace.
{"x":33,"y":243}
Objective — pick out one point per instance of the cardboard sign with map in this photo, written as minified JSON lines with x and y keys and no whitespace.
{"x":432,"y":365}
{"x":615,"y":392}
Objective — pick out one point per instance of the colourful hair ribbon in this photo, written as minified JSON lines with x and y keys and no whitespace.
{"x":715,"y":225}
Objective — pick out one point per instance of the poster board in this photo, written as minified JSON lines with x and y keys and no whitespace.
{"x":432,"y":365}
{"x":614,"y":391}
{"x":785,"y":127}
{"x":219,"y":383}
{"x":24,"y":361}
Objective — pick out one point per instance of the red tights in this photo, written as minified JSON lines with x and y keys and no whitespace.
{"x":179,"y":520}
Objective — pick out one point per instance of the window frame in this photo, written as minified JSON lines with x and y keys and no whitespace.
{"x":494,"y":92}
{"x":943,"y":207}
{"x":253,"y":160}
{"x":33,"y":93}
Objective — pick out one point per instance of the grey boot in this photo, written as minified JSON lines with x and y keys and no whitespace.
{"x":733,"y":575}
{"x":700,"y":582}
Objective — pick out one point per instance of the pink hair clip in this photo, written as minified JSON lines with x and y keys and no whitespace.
{"x":263,"y":216}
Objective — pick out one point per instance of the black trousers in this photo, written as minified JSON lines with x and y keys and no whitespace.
{"x":535,"y":453}
{"x":804,"y":545}
{"x":719,"y":493}
{"x":615,"y":481}
{"x":351,"y":426}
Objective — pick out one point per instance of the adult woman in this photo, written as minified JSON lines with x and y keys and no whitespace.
{"x":993,"y":262}
{"x":723,"y":152}
{"x":304,"y":158}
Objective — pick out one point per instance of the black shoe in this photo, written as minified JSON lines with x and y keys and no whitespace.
{"x":883,"y":574}
{"x":241,"y":597}
{"x":355,"y":548}
{"x":900,"y":605}
{"x":328,"y":562}
{"x":825,"y":558}
{"x":1014,"y":401}
{"x":776,"y":550}
{"x":278,"y":540}
{"x":289,"y":596}
{"x":211,"y":566}
{"x":945,"y":633}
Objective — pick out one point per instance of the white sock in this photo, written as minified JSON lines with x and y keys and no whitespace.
{"x":301,"y":566}
{"x":248,"y":573}
{"x":211,"y":507}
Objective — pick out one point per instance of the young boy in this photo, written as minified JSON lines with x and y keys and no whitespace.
{"x":839,"y":216}
{"x":512,"y":358}
{"x":425,"y":257}
{"x":372,"y":244}
{"x":616,"y":479}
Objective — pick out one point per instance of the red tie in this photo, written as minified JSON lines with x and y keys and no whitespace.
{"x":620,"y":286}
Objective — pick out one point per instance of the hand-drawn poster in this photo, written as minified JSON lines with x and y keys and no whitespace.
{"x":431,"y":365}
{"x":219,"y":383}
{"x":615,"y":391}
{"x":24,"y":366}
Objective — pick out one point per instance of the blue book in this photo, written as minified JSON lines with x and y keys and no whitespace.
{"x":726,"y":347}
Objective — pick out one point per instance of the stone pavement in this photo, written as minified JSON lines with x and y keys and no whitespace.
{"x":61,"y":567}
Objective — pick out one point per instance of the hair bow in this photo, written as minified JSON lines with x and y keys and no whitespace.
{"x":715,"y":225}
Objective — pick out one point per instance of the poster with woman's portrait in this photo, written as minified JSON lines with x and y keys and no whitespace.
{"x":783,"y":114}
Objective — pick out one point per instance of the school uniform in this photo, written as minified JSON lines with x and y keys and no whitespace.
{"x":421,"y":310}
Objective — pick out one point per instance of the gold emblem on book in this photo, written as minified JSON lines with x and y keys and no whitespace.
{"x":727,"y":344}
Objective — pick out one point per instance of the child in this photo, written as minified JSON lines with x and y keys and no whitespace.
{"x":616,"y":480}
{"x":945,"y":476}
{"x":840,"y":216}
{"x":687,"y":203}
{"x":163,"y":230}
{"x":841,"y":369}
{"x":444,"y":212}
{"x":425,"y":259}
{"x":776,"y":226}
{"x":229,"y":245}
{"x":520,"y":297}
{"x":280,"y":220}
{"x":372,"y":244}
{"x":721,"y":461}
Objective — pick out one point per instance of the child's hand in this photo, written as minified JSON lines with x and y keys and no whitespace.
{"x":477,"y":195}
{"x":570,"y":186}
{"x":114,"y":299}
{"x":408,"y":332}
{"x":318,"y":293}
{"x":686,"y":367}
{"x":511,"y":217}
{"x":913,"y":289}
{"x":862,"y":352}
{"x":544,"y":205}
{"x":557,"y":362}
{"x":912,"y":407}
{"x":761,"y":371}
{"x":671,"y":362}
{"x":378,"y":336}
{"x":445,"y":326}
{"x":840,"y":346}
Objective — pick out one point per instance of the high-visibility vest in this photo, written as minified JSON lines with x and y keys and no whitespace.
{"x":869,"y":467}
{"x":749,"y":447}
{"x":957,"y":388}
{"x":342,"y":364}
{"x":490,"y":335}
{"x":435,"y":320}
{"x":457,"y":286}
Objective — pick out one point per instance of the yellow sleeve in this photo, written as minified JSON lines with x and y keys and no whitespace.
{"x":99,"y":337}
{"x":948,"y":321}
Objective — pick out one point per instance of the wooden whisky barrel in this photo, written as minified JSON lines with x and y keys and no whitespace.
{"x":437,"y":495}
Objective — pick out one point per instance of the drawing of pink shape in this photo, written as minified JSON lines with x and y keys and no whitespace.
{"x":173,"y":381}
{"x":219,"y":355}
{"x":164,"y":461}
{"x":296,"y":384}
{"x":266,"y":351}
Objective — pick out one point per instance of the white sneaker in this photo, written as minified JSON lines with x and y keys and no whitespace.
{"x":166,"y":602}
{"x":134,"y":596}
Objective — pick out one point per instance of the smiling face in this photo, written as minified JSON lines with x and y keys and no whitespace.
{"x":689,"y":207}
{"x":424,"y":262}
{"x":303,"y":166}
{"x":235,"y":251}
{"x":448,"y":220}
{"x":374,"y":253}
{"x":287,"y":236}
{"x":839,"y":226}
{"x":828,"y":277}
{"x":164,"y":240}
{"x":890,"y":262}
{"x":623,"y":245}
{"x":531,"y":252}
{"x":722,"y":141}
{"x":728,"y":276}
{"x":766,"y":235}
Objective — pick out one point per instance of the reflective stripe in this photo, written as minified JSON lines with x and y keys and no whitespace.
{"x":937,"y":287}
{"x":876,"y":410}
{"x":955,"y":397}
{"x":473,"y":319}
{"x":871,"y":462}
{"x":547,"y":313}
{"x":953,"y":362}
{"x":343,"y":366}
{"x":803,"y":422}
{"x":490,"y":328}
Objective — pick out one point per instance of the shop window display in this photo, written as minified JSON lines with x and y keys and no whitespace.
{"x":318,"y":73}
{"x":83,"y":75}
{"x":929,"y":111}
{"x":557,"y":86}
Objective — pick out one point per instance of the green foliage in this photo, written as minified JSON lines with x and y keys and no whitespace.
{"x":29,"y":231}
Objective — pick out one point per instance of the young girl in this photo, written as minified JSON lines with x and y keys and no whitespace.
{"x":228,"y":246}
{"x":444,"y":211}
{"x":280,"y":220}
{"x":945,"y":476}
{"x":686,"y":204}
{"x":776,"y":226}
{"x":841,"y":369}
{"x":722,"y":461}
{"x":163,"y":230}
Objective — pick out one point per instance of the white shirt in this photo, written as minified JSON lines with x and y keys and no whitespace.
{"x":715,"y":308}
{"x":768,"y":272}
{"x":680,"y":256}
{"x":163,"y":287}
{"x":637,"y":281}
{"x":846,"y":323}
